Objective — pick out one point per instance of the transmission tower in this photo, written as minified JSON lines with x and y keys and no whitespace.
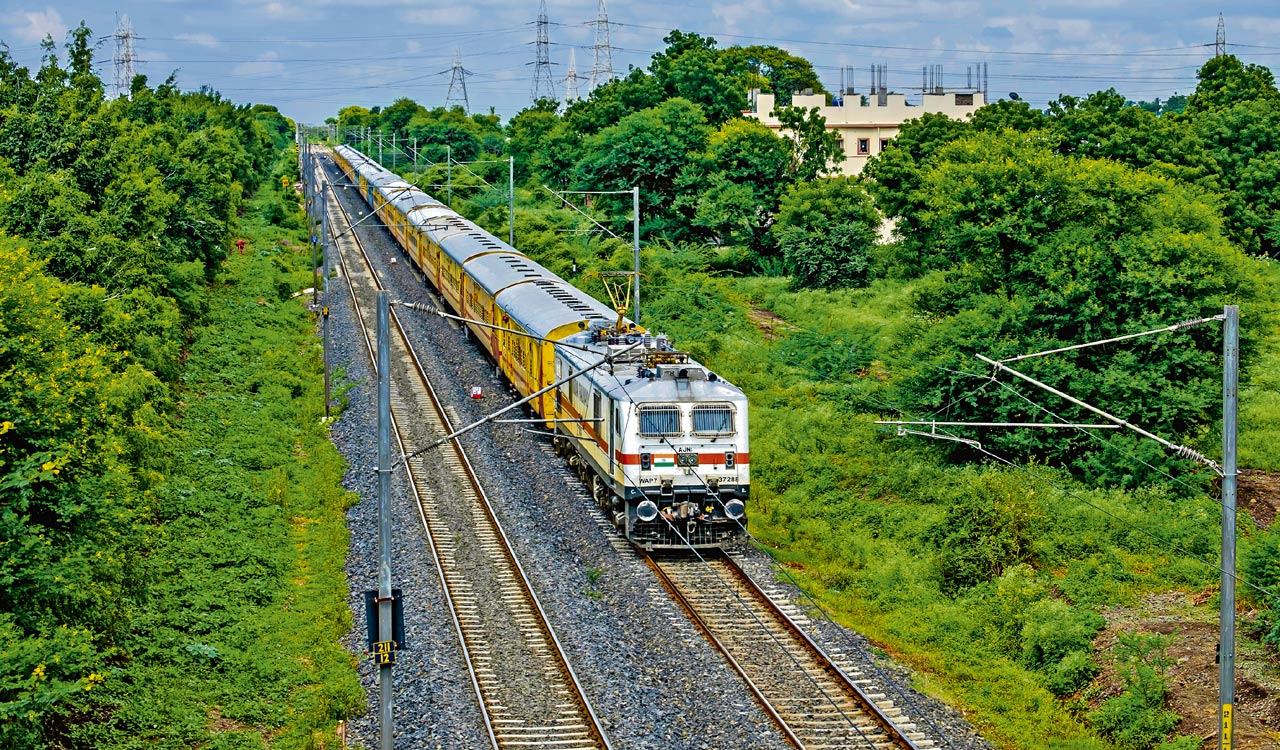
{"x":602,"y":66}
{"x":543,"y":88}
{"x":571,"y":81}
{"x":124,"y":58}
{"x":458,"y":82}
{"x":1220,"y":44}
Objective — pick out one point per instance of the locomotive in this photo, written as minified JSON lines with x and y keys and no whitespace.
{"x":660,"y":439}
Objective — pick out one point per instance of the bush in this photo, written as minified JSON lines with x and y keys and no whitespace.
{"x":1054,"y":630}
{"x":1137,"y":718}
{"x":1069,"y":676}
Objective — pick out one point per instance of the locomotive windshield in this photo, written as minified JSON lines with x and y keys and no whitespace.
{"x":715,"y":419}
{"x":660,"y":421}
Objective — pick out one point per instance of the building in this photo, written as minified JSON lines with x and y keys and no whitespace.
{"x":866,"y":128}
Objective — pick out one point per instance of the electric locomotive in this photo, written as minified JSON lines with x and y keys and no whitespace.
{"x":660,"y":439}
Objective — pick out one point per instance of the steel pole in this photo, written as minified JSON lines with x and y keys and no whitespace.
{"x":448,"y":172}
{"x":635,"y":240}
{"x":324,"y":255}
{"x":1227,"y":615}
{"x":511,"y":200}
{"x":384,"y":516}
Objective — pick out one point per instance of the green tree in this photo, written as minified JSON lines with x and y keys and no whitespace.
{"x":67,"y":502}
{"x":773,"y":70}
{"x":816,"y":151}
{"x":826,"y":229}
{"x":648,"y":149}
{"x":1035,"y":251}
{"x":897,"y":174}
{"x":1007,"y":114}
{"x":735,"y":189}
{"x":1224,"y":82}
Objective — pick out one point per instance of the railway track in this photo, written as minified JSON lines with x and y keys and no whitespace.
{"x":816,"y":703}
{"x":529,"y":695}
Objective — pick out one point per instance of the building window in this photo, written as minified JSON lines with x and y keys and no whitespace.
{"x":964,"y":100}
{"x":840,"y":143}
{"x":884,"y":144}
{"x":864,"y":145}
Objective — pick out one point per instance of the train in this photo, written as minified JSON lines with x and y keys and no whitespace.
{"x":660,"y":439}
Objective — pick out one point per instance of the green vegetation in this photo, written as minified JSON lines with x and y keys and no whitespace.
{"x":171,"y":524}
{"x":987,"y":565}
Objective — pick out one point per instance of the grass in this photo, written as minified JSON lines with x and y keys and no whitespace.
{"x":237,"y":643}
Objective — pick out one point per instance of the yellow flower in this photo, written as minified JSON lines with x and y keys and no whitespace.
{"x":5,"y":426}
{"x":48,"y":466}
{"x":38,"y":672}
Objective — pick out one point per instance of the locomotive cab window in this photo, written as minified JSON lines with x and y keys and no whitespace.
{"x":659,"y":421}
{"x":713,"y":419}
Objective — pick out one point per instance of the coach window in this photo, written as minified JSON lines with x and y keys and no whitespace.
{"x":659,"y":421}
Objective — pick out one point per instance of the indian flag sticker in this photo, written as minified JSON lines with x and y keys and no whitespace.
{"x":664,"y":462}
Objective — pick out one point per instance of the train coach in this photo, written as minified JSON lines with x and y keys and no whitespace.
{"x":660,"y":439}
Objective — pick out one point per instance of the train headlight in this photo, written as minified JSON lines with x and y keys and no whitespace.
{"x":647,"y":510}
{"x":735,"y":508}
{"x":646,"y":461}
{"x":729,"y":457}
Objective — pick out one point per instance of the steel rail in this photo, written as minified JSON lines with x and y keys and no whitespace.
{"x":890,"y":732}
{"x":368,"y":339}
{"x":592,"y":721}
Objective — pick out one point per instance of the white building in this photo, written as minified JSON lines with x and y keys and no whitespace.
{"x":866,"y":129}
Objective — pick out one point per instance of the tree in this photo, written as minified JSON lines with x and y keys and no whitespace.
{"x":897,"y":173}
{"x":528,"y":136}
{"x":67,"y":505}
{"x":607,"y":104}
{"x":826,"y":229}
{"x":1007,"y":114}
{"x":648,"y":149}
{"x":1226,"y":82}
{"x":773,"y":70}
{"x":1034,"y":251}
{"x":816,"y":151}
{"x":395,"y":118}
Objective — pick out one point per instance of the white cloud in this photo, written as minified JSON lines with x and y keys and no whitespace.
{"x":34,"y":26}
{"x":203,"y":39}
{"x":266,"y":64}
{"x":455,"y":15}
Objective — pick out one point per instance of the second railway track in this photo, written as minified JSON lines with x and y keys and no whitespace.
{"x":528,"y":692}
{"x":818,"y":704}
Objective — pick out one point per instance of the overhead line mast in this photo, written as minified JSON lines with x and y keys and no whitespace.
{"x":543,"y":87}
{"x":602,"y":65}
{"x":458,"y":82}
{"x":124,"y":56}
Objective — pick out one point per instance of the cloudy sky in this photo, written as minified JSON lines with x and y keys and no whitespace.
{"x":312,"y":57}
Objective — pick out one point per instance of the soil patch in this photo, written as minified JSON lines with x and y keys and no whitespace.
{"x":768,"y":322}
{"x":1258,"y":493}
{"x":1192,"y":628}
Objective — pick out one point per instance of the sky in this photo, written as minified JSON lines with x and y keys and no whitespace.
{"x":310,"y":58}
